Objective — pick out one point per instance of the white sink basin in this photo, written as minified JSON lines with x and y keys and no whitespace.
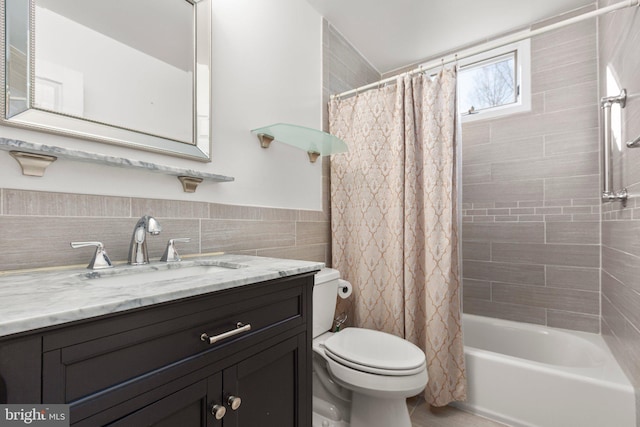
{"x":156,"y":272}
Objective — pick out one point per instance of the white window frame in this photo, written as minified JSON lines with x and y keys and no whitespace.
{"x":523,"y":81}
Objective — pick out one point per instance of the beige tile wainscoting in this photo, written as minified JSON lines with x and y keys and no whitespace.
{"x":37,"y":227}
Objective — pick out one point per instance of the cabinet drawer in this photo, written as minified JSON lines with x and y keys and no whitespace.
{"x":170,"y":334}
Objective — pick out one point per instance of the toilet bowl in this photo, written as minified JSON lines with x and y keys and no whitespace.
{"x":377,"y":370}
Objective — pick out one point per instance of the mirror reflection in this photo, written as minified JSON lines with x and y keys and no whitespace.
{"x":76,"y":73}
{"x":121,"y":71}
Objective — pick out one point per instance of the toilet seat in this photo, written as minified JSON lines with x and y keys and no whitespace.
{"x":375,"y":352}
{"x":372,"y":370}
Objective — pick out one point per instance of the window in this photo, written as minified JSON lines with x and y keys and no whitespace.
{"x":495,"y":83}
{"x":488,"y":84}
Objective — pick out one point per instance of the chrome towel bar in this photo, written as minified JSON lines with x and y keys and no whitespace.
{"x":608,"y":195}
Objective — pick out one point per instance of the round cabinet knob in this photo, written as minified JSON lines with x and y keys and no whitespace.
{"x":218,"y":411}
{"x":234,"y":402}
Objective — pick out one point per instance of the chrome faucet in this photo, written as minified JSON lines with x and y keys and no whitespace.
{"x":138,"y":248}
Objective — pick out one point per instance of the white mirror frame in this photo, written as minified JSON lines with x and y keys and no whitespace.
{"x":61,"y":124}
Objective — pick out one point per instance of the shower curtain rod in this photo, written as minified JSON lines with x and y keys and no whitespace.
{"x":503,"y":41}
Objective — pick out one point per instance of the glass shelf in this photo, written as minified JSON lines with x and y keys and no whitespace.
{"x":314,"y":142}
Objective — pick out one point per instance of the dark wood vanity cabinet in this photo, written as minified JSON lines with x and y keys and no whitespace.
{"x":150,"y":366}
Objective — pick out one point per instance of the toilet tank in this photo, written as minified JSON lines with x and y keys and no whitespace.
{"x":325,"y":294}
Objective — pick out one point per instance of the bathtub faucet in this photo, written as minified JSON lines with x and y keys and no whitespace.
{"x":138,"y":254}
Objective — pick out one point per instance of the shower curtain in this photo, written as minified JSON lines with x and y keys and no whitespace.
{"x":394,"y":220}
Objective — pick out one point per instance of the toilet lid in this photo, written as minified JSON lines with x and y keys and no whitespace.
{"x":374,"y":351}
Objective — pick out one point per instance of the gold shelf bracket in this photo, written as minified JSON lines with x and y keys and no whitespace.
{"x":313,"y":156}
{"x":32,"y":164}
{"x":265,"y":140}
{"x":189,"y":183}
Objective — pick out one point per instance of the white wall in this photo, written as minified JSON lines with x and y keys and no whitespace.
{"x":266,"y":69}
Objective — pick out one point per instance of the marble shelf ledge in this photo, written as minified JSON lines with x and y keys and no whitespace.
{"x":34,"y":158}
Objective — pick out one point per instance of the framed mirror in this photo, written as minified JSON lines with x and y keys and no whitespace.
{"x":126,"y":72}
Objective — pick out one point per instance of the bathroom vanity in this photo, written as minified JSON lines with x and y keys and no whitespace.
{"x":226,"y":345}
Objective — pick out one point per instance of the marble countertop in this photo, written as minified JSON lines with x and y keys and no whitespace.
{"x":39,"y":299}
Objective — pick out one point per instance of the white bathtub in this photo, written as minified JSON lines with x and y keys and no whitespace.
{"x":529,"y":375}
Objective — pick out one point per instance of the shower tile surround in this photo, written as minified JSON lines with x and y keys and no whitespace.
{"x":619,"y":36}
{"x":36,"y":228}
{"x":531,"y":207}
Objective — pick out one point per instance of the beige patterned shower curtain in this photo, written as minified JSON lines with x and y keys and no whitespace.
{"x":394,"y":219}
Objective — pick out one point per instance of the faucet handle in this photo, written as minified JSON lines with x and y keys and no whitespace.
{"x":100,"y":258}
{"x":170,"y":253}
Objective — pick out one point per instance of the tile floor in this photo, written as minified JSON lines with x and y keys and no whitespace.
{"x":424,"y":416}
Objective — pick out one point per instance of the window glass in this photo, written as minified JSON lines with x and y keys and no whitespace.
{"x":488,"y":84}
{"x":493,"y":83}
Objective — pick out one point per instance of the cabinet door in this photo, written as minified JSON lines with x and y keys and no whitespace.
{"x":189,"y":407}
{"x":20,"y":365}
{"x":273,"y":387}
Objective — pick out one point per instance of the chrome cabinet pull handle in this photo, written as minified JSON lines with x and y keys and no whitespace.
{"x":240,"y":328}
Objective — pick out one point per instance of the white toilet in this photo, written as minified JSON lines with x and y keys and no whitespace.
{"x":361,"y":377}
